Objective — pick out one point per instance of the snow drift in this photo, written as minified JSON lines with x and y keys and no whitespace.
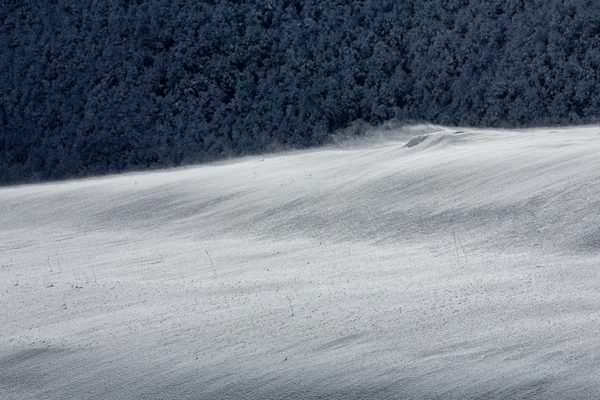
{"x":457,"y":265}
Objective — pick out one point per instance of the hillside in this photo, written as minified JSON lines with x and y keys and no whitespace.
{"x":462,"y":267}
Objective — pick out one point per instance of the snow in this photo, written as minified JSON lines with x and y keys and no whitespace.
{"x":463,"y":266}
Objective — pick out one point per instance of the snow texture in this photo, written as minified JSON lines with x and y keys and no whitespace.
{"x":463,"y":266}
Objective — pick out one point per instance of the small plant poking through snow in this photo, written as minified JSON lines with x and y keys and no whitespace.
{"x":291,"y":307}
{"x":211,"y":263}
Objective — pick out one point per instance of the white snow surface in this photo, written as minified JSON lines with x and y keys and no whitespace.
{"x":464,"y":266}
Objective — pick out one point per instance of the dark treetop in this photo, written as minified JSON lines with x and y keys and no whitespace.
{"x":92,"y":87}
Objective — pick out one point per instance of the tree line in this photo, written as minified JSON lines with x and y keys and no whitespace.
{"x":92,"y":87}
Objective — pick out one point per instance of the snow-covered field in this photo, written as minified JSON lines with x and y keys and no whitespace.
{"x":465,"y":266}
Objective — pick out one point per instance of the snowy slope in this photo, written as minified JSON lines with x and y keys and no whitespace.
{"x":464,"y":266}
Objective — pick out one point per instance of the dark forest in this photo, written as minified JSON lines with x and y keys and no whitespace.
{"x":91,"y":87}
